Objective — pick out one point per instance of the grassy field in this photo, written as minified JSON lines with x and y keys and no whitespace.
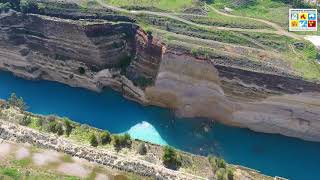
{"x":215,"y":19}
{"x":274,"y":11}
{"x":167,"y":5}
{"x":11,"y":169}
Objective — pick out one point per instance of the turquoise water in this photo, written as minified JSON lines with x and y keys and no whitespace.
{"x":271,"y":154}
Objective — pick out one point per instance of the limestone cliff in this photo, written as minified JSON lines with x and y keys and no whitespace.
{"x":261,"y":102}
{"x":96,"y":53}
{"x":92,"y":54}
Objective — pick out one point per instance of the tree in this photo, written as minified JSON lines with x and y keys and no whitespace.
{"x":221,"y":174}
{"x":170,"y":158}
{"x":51,"y":127}
{"x":93,"y":140}
{"x":68,"y":127}
{"x":59,"y":129}
{"x":105,"y":137}
{"x":217,"y":163}
{"x":220,"y":168}
{"x":17,"y":102}
{"x":27,"y":6}
{"x":120,"y":141}
{"x":116,"y":141}
{"x":142,"y":149}
{"x":127,"y":139}
{"x":4,"y":7}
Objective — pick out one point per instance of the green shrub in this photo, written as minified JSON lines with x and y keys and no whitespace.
{"x":224,"y":174}
{"x":51,"y":126}
{"x":13,"y":4}
{"x":27,"y":6}
{"x":194,"y":52}
{"x":93,"y":140}
{"x":116,"y":141}
{"x":170,"y":158}
{"x":217,"y":163}
{"x":40,"y":122}
{"x":127,"y":138}
{"x":142,"y":149}
{"x":105,"y":137}
{"x":120,"y":141}
{"x":221,"y":174}
{"x":68,"y":127}
{"x":59,"y":129}
{"x":229,"y":173}
{"x":4,"y":7}
{"x":17,"y":102}
{"x":81,"y":70}
{"x":25,"y":121}
{"x":219,"y":166}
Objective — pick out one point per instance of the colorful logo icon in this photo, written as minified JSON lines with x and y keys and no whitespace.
{"x":303,"y":24}
{"x":294,"y":23}
{"x":312,"y":23}
{"x":294,"y":16}
{"x":303,"y":16}
{"x":303,"y":20}
{"x":312,"y":16}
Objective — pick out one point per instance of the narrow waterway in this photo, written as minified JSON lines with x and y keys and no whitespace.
{"x":271,"y":154}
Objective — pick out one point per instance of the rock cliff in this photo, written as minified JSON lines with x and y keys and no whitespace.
{"x":92,"y":54}
{"x":97,"y":53}
{"x":261,"y":102}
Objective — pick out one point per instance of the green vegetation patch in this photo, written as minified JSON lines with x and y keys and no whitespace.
{"x":22,"y":162}
{"x":11,"y":172}
{"x":305,"y":63}
{"x":221,"y":169}
{"x":215,"y":19}
{"x":171,"y":158}
{"x":178,"y":27}
{"x":275,"y":11}
{"x":167,"y":5}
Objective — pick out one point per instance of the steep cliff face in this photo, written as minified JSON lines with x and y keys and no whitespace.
{"x":144,"y":67}
{"x":85,"y":53}
{"x":261,"y":102}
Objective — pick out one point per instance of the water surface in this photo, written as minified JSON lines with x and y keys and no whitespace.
{"x":271,"y":154}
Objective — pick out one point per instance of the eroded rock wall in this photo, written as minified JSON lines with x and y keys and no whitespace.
{"x":261,"y":102}
{"x":83,"y":53}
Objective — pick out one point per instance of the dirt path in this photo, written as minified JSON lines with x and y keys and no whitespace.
{"x":278,"y":28}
